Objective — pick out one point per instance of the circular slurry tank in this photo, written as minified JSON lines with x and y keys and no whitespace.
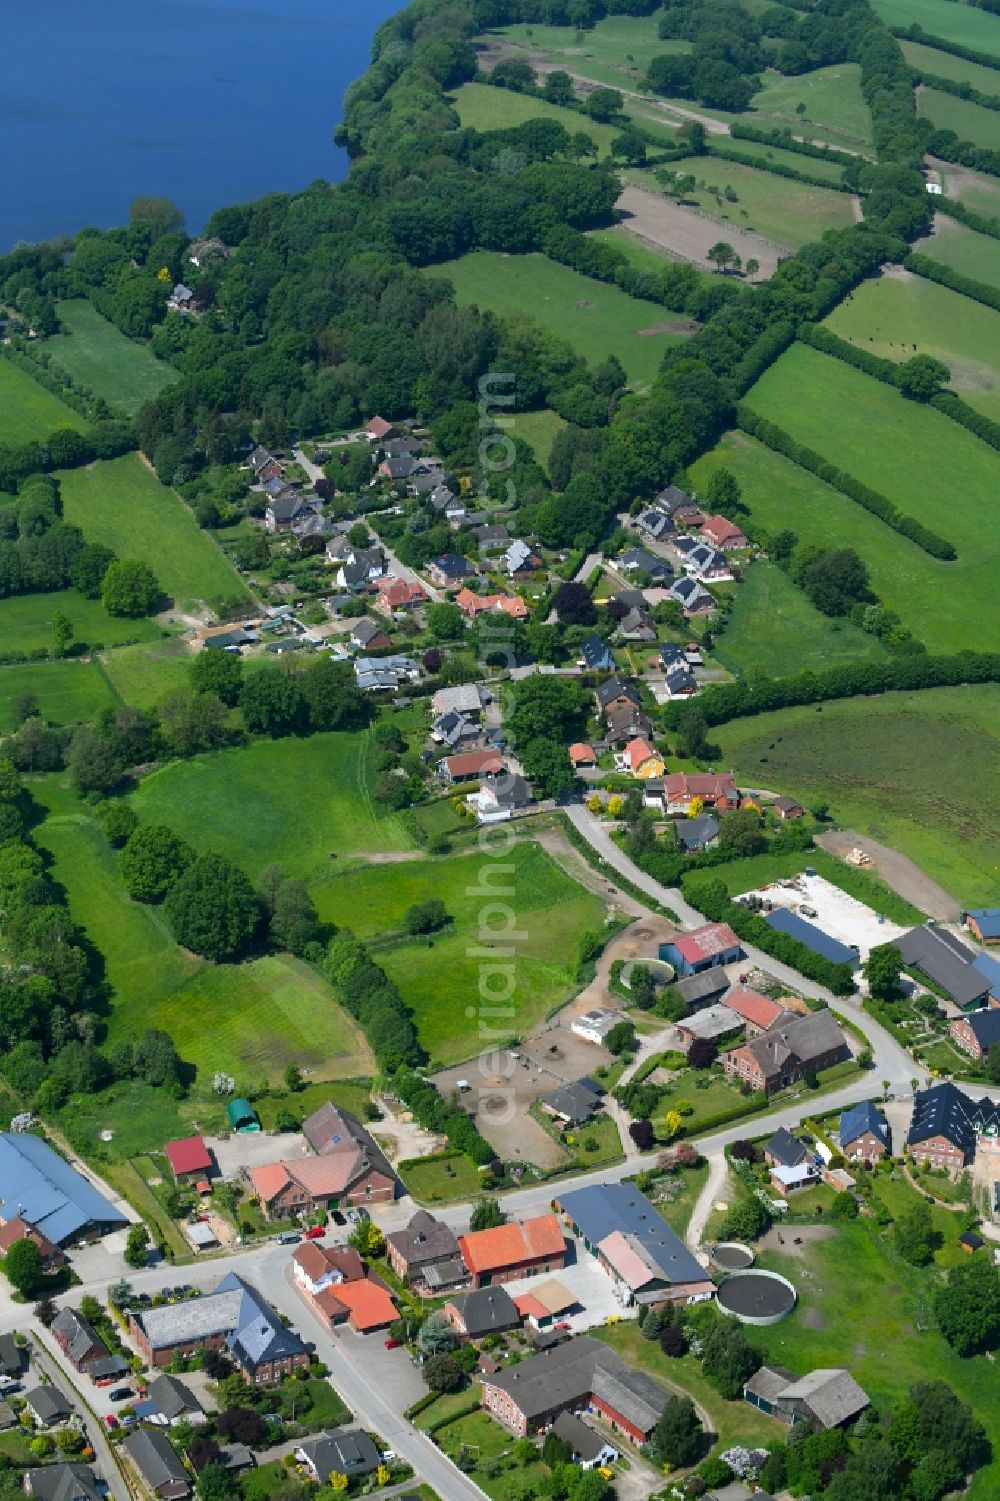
{"x":732,"y":1256}
{"x":756,"y":1297}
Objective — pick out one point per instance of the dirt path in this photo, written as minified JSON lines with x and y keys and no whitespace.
{"x":689,"y":234}
{"x":555,"y":843}
{"x":714,"y":1184}
{"x":897,"y":871}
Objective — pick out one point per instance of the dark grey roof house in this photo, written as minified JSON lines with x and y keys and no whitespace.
{"x":77,"y":1338}
{"x":425,"y":1243}
{"x":173,"y":1399}
{"x":49,"y":1406}
{"x":482,"y":1311}
{"x":12,"y":1360}
{"x":158,"y":1463}
{"x":945,"y":961}
{"x":785,"y":1150}
{"x":575,"y":1102}
{"x":62,"y":1482}
{"x":349,"y":1453}
{"x":570,"y":1375}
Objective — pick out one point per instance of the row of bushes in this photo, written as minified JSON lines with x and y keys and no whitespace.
{"x":959,"y":411}
{"x":780,"y":169}
{"x":983,"y":224}
{"x":765,"y":349}
{"x":946,"y":276}
{"x":916,"y":33}
{"x":719,"y":703}
{"x":776,"y":438}
{"x":785,"y":141}
{"x":431,"y":1111}
{"x":947,"y":145}
{"x":960,"y":90}
{"x":714,"y":901}
{"x":35,"y":361}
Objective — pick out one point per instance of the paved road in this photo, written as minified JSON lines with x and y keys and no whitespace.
{"x":48,"y":1359}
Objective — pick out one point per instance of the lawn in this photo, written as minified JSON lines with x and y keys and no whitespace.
{"x":816,"y":166}
{"x":787,"y":212}
{"x":597,"y":319}
{"x":774,"y":626}
{"x":870,"y":758}
{"x":143,"y":674}
{"x":944,"y":65}
{"x":717,"y":1095}
{"x":26,"y":622}
{"x":122,"y":504}
{"x":970,"y":122}
{"x":626,"y":42}
{"x":964,"y":250}
{"x":539,"y":430}
{"x":27,"y":411}
{"x":833,"y":100}
{"x":439,"y":1180}
{"x":441,"y":986}
{"x":677,"y":1209}
{"x":487,"y":1440}
{"x":732,"y":1422}
{"x":294,"y":802}
{"x":958,"y":23}
{"x":483,"y":107}
{"x":862,"y":1307}
{"x":67,"y":692}
{"x":97,"y":355}
{"x":892,"y":317}
{"x":928,"y":465}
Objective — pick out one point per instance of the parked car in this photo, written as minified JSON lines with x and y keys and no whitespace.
{"x":111,"y":1420}
{"x":288,"y":1238}
{"x":357,"y":1215}
{"x":315,"y":1232}
{"x":122,"y":1394}
{"x":338,"y":1218}
{"x":393,"y":1344}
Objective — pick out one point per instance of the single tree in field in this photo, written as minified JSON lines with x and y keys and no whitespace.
{"x":722,"y":253}
{"x":752,"y":266}
{"x":62,"y":631}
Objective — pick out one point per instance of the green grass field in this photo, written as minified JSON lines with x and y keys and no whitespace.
{"x":964,"y":250}
{"x":287,"y":802}
{"x":814,"y":165}
{"x":892,"y":317}
{"x":27,"y":411}
{"x":441,"y":983}
{"x":484,"y":107}
{"x":958,"y":23}
{"x":122,"y":504}
{"x":539,"y":430}
{"x":928,"y":465}
{"x":833,"y":99}
{"x":861,"y":1306}
{"x":596,"y":319}
{"x":143,"y":674}
{"x":67,"y":692}
{"x":26,"y":621}
{"x":627,"y":42}
{"x":970,"y":122}
{"x":96,"y":354}
{"x":910,"y":582}
{"x":789,"y":212}
{"x":640,"y":253}
{"x":774,"y":626}
{"x":869,"y":758}
{"x":933,"y":60}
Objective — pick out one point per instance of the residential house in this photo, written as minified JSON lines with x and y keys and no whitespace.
{"x":426,"y":480}
{"x":574,"y":1103}
{"x":693,"y":598}
{"x":703,"y":948}
{"x":594,"y":1026}
{"x":174,"y":1401}
{"x":641,"y":759}
{"x":362,"y":570}
{"x":264,"y":466}
{"x":976,"y":1032}
{"x":368,"y":635}
{"x":312,"y":1185}
{"x":787,"y":807}
{"x":48,"y":1406}
{"x":500,"y":797}
{"x":190,"y":1159}
{"x":680,"y":682}
{"x":935,"y":954}
{"x":713,"y":790}
{"x":701,"y":561}
{"x":582,"y":755}
{"x":493,"y":537}
{"x":62,"y":1482}
{"x":590,"y":1449}
{"x":788,"y":1180}
{"x":77,"y":1339}
{"x":708,"y":1024}
{"x":780,"y":1057}
{"x":654,"y":524}
{"x":695,"y":834}
{"x":426,"y":1253}
{"x":574,"y":1374}
{"x":17,"y":1229}
{"x":235,"y":1318}
{"x":181,"y":299}
{"x":785,"y":921}
{"x":396,"y":594}
{"x":673,"y":501}
{"x":449,"y":570}
{"x":520,"y":560}
{"x":447,"y":504}
{"x":626,"y":723}
{"x":482,"y":1311}
{"x":616,"y":693}
{"x":236,"y":1458}
{"x":638,"y":560}
{"x":514,"y":1250}
{"x":637,"y":625}
{"x":473,"y":605}
{"x":723,"y":533}
{"x":12,"y":1358}
{"x":758,"y":1012}
{"x":864,"y":1133}
{"x":453,"y":729}
{"x":337,"y":1135}
{"x":983,"y":923}
{"x":49,"y":1195}
{"x":378,"y":429}
{"x":595,"y":655}
{"x":941,"y":1128}
{"x":286,"y":508}
{"x":469,"y":766}
{"x":629,"y":599}
{"x":703,"y":988}
{"x":349,"y":1452}
{"x":785,"y":1150}
{"x":636,"y":1247}
{"x":158,"y":1463}
{"x":403,"y":447}
{"x":332,"y":1280}
{"x":397,"y":468}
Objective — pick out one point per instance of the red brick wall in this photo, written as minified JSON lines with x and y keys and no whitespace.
{"x":940,"y":1152}
{"x":965,"y":1038}
{"x":617,"y":1421}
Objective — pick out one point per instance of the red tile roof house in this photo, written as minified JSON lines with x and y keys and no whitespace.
{"x":723,"y":533}
{"x":473,"y":605}
{"x":378,"y":429}
{"x":17,"y":1229}
{"x":715,"y":789}
{"x":333,"y":1282}
{"x":469,"y":766}
{"x":758,"y":1012}
{"x":712,"y":944}
{"x":397,"y":594}
{"x":510,"y":1251}
{"x":977,"y":1032}
{"x":190,"y":1159}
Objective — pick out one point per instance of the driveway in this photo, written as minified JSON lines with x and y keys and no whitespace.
{"x":255,"y":1149}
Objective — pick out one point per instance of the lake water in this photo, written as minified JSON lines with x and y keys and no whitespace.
{"x":206,"y":102}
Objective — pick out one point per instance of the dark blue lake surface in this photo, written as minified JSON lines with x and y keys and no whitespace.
{"x":206,"y":102}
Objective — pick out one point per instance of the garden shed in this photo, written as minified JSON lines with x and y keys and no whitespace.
{"x":242,"y":1115}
